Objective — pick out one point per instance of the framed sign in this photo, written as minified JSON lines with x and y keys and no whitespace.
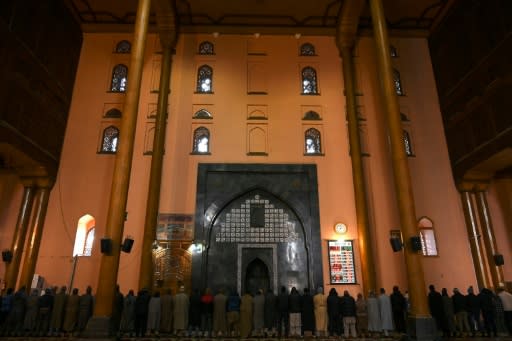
{"x":341,"y":262}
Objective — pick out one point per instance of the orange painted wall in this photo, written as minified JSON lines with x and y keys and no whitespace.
{"x":83,"y":183}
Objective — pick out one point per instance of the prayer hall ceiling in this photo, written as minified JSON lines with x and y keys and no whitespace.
{"x":266,"y":16}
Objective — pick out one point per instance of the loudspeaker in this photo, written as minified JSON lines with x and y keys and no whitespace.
{"x":396,"y":244}
{"x":127,"y":245}
{"x":7,"y":256}
{"x":416,"y":243}
{"x":106,"y":245}
{"x":498,"y":259}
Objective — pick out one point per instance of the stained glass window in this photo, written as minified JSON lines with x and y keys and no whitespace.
{"x":119,"y":78}
{"x":312,"y":141}
{"x":407,"y":143}
{"x":204,"y":79}
{"x":206,"y":47}
{"x":110,"y":140}
{"x":307,"y":49}
{"x":309,"y":82}
{"x":201,"y":140}
{"x":398,"y":83}
{"x":123,"y":46}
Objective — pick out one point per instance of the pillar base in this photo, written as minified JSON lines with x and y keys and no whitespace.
{"x":98,"y":328}
{"x":422,"y":328}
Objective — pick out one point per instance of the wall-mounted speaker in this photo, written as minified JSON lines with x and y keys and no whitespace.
{"x":127,"y":245}
{"x":416,"y":243}
{"x":106,"y":245}
{"x":396,"y":244}
{"x":498,"y":259}
{"x":7,"y":256}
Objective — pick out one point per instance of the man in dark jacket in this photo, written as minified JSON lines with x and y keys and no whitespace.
{"x":460,"y":308}
{"x":348,"y":312}
{"x":473,"y":311}
{"x":282,"y":306}
{"x":333,"y":312}
{"x":308,"y":314}
{"x":435,"y":303}
{"x":398,"y":306}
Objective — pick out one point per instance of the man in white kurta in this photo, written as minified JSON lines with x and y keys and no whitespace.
{"x":386,"y":314}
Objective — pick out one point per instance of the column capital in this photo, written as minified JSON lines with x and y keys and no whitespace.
{"x":348,"y":21}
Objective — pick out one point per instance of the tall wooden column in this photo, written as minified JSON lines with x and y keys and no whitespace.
{"x":364,"y":235}
{"x":475,"y":241}
{"x":119,"y":193}
{"x":44,"y":186}
{"x":488,"y":235}
{"x":20,"y":232}
{"x":420,"y":324}
{"x":146,"y":265}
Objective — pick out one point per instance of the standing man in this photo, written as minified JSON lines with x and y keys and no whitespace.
{"x":398,"y":306}
{"x":219,"y":314}
{"x":181,"y":302}
{"x":506,"y":300}
{"x":320,"y":302}
{"x":386,"y":313}
{"x":348,"y":312}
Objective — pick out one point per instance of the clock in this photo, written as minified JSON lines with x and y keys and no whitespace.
{"x":340,"y":228}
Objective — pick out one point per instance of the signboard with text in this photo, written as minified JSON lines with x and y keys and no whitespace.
{"x":341,"y":262}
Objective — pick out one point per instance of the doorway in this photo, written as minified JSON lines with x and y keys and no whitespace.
{"x":257,"y":277}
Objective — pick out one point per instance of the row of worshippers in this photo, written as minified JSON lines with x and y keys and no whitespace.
{"x":50,"y":312}
{"x":208,"y":314}
{"x":486,"y":313}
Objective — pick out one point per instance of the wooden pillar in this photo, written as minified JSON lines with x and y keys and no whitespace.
{"x":119,"y":192}
{"x":364,"y":235}
{"x":402,"y":180}
{"x":475,"y":242}
{"x":36,"y":231}
{"x":146,"y":265}
{"x":488,"y":237}
{"x":20,"y":232}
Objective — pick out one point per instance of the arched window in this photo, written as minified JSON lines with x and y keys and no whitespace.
{"x":311,"y":116}
{"x":201,"y":141}
{"x":309,"y":82}
{"x":119,"y":78}
{"x":206,"y":47}
{"x":407,"y":143}
{"x":398,"y":83}
{"x":202,"y":114}
{"x":113,"y":113}
{"x":428,"y":237}
{"x":393,"y":51}
{"x":123,"y":46}
{"x":312,"y":141}
{"x":204,"y":79}
{"x":84,"y":238}
{"x":307,"y":49}
{"x":110,"y":140}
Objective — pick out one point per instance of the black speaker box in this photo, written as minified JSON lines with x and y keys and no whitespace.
{"x":106,"y":245}
{"x":396,"y":244}
{"x":7,"y":256}
{"x":416,"y":243}
{"x":127,"y":245}
{"x":498,"y":259}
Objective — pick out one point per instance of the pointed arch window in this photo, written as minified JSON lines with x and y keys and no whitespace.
{"x":113,"y":113}
{"x":312,"y":116}
{"x":312,"y":142}
{"x":110,"y":140}
{"x":307,"y":49}
{"x":84,"y":238}
{"x":204,"y":79}
{"x":407,"y":143}
{"x":123,"y":46}
{"x":203,"y":114}
{"x":309,"y":81}
{"x":398,"y":83}
{"x":201,"y":141}
{"x":119,"y":78}
{"x":206,"y":47}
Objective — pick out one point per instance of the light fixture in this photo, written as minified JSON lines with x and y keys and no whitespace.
{"x":215,"y":34}
{"x":297,"y":35}
{"x":340,"y":228}
{"x":256,"y":35}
